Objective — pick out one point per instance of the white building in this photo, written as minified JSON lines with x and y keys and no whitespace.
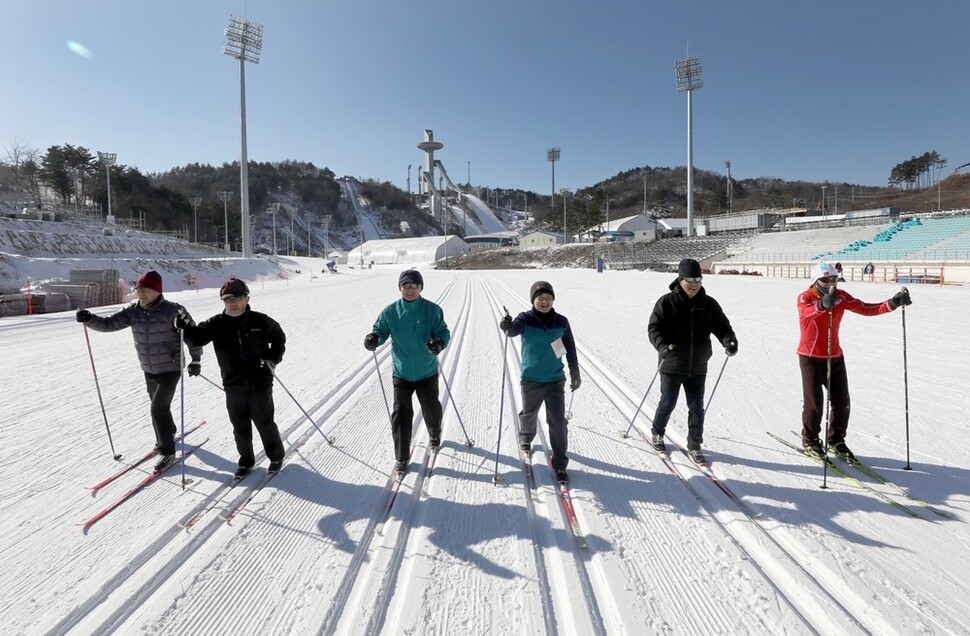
{"x":643,"y":227}
{"x":540,"y":238}
{"x":406,"y":251}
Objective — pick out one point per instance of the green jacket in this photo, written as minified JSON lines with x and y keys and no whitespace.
{"x":410,"y":325}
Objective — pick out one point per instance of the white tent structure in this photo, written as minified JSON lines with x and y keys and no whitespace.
{"x":418,"y":249}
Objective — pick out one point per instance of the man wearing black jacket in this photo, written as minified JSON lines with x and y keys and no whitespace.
{"x":680,"y":329}
{"x":248,"y":345}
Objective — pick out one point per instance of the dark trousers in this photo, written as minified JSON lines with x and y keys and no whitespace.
{"x":403,"y":415}
{"x":161,"y":390}
{"x":553,"y":395}
{"x":694,"y":392}
{"x":250,"y":406}
{"x":814,"y":373}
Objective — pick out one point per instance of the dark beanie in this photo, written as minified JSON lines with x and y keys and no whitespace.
{"x":233,"y":287}
{"x":540,"y":287}
{"x":689,"y":268}
{"x":412,"y":276}
{"x":151,"y":280}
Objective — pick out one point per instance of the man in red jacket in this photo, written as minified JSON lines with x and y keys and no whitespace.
{"x":820,"y":311}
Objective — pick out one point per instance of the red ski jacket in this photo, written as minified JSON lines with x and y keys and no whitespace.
{"x":814,"y":323}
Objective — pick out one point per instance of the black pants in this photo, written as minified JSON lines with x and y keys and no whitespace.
{"x":250,"y":406}
{"x":553,"y":395}
{"x":694,"y":392}
{"x":814,"y":373}
{"x":161,"y":390}
{"x":403,"y":415}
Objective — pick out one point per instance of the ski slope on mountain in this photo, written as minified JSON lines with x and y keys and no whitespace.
{"x":317,"y":549}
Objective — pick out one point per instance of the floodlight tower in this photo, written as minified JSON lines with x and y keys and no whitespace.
{"x":565,"y":192}
{"x":730,"y":189}
{"x":688,"y":72}
{"x":108,"y":159}
{"x":426,"y":182}
{"x":552,"y":156}
{"x":195,"y":201}
{"x":224,"y":196}
{"x":245,"y":41}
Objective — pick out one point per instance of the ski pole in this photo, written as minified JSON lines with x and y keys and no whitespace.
{"x":212,"y":383}
{"x":906,"y":386}
{"x":97,"y":386}
{"x":272,"y":369}
{"x":182,"y":397}
{"x":626,"y":433}
{"x":383,"y":392}
{"x":569,"y":411}
{"x":828,"y":405}
{"x":716,"y":382}
{"x":468,"y":441}
{"x":496,"y":478}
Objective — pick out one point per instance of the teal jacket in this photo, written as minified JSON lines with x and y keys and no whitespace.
{"x":410,"y":325}
{"x":539,"y":361}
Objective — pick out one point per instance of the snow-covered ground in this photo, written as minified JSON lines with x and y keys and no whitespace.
{"x":315,"y":551}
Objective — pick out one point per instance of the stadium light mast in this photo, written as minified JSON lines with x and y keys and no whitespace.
{"x":552,"y":156}
{"x":224,"y":196}
{"x":688,"y":73}
{"x":730,"y":190}
{"x":108,"y":159}
{"x":195,"y":201}
{"x":245,"y":42}
{"x":565,"y":192}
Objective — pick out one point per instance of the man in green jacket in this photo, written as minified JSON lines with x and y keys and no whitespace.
{"x":418,"y":333}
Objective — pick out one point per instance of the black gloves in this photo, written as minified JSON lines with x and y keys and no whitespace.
{"x":665,"y":351}
{"x":435,"y":345}
{"x":730,"y":346}
{"x":827,"y":301}
{"x":181,"y":320}
{"x":506,"y":323}
{"x":83,"y":315}
{"x":901,"y":299}
{"x":574,"y":380}
{"x":195,"y":368}
{"x":370,"y":342}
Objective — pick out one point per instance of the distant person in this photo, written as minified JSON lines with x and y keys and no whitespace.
{"x":680,"y":329}
{"x":248,"y":346}
{"x":158,"y":345}
{"x":820,"y":308}
{"x":869,"y":270}
{"x":418,"y":333}
{"x":546,"y":339}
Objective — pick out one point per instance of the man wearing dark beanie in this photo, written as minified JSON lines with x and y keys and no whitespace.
{"x":680,"y":328}
{"x":418,"y":333}
{"x":158,"y":345}
{"x":546,"y":338}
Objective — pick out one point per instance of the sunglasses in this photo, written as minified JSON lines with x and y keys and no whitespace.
{"x":828,"y":279}
{"x":694,"y":279}
{"x":228,"y":299}
{"x":410,"y":286}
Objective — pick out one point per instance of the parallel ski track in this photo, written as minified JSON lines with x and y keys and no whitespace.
{"x":339,"y":606}
{"x":170,"y":552}
{"x":756,"y":538}
{"x":579,"y":554}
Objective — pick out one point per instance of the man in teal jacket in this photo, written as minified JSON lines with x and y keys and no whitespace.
{"x":546,"y":338}
{"x":418,"y":333}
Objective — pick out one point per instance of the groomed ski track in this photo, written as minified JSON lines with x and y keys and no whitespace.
{"x":316,"y":550}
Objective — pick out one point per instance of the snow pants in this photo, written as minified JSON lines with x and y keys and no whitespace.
{"x":250,"y":406}
{"x":669,"y":393}
{"x":161,"y":390}
{"x":814,"y":373}
{"x":553,"y":395}
{"x":403,"y":414}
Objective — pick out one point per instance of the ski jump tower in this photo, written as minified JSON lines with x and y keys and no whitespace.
{"x":426,"y":182}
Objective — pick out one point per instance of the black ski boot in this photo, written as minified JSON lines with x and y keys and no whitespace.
{"x":164,"y":462}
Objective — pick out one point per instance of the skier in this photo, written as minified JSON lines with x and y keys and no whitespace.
{"x":820,"y":311}
{"x":680,"y":328}
{"x":248,"y":346}
{"x":418,"y":333}
{"x":158,"y":347}
{"x":546,"y":338}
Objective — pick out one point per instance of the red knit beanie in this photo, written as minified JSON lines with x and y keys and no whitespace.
{"x":151,"y":280}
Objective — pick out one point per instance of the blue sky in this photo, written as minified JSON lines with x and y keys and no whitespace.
{"x":822,"y":90}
